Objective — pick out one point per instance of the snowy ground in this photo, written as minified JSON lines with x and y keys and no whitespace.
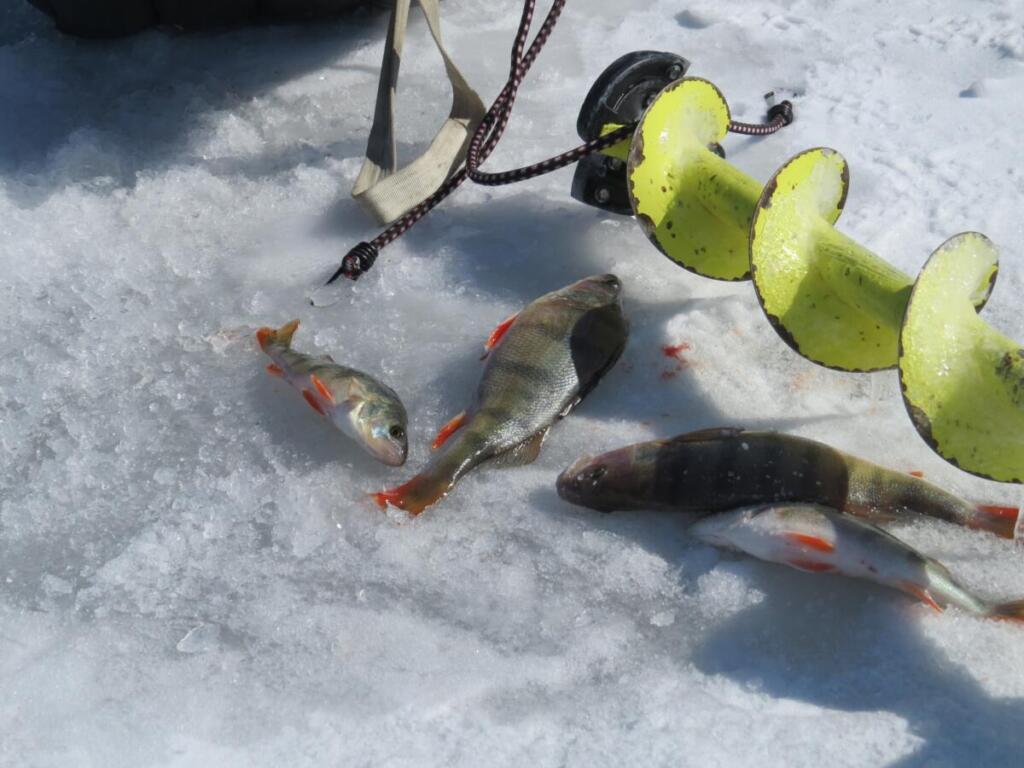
{"x":190,"y":571}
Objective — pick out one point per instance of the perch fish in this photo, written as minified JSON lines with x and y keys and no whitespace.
{"x":821,"y":540}
{"x":360,"y":406}
{"x":540,"y":363}
{"x":725,"y":468}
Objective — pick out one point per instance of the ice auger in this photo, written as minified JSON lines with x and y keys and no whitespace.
{"x":829,"y":298}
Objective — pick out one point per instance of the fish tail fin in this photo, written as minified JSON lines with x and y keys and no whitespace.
{"x":415,"y":495}
{"x":282,"y":336}
{"x":436,"y":479}
{"x":1011,"y":611}
{"x":1000,"y":520}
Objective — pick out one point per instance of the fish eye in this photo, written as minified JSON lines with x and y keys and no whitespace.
{"x":595,"y":474}
{"x":396,"y":432}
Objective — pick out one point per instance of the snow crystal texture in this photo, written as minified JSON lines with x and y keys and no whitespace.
{"x":191,"y":573}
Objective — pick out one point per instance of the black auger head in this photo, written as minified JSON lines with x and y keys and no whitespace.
{"x":619,"y":96}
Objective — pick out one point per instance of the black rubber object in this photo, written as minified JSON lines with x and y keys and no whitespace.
{"x":99,"y":18}
{"x":116,"y":18}
{"x":619,"y":95}
{"x":201,"y":14}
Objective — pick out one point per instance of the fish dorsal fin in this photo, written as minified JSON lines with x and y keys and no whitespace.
{"x":591,"y":357}
{"x":704,"y":435}
{"x":524,"y":453}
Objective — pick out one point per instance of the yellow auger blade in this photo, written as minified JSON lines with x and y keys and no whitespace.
{"x":963,"y":381}
{"x":832,"y":300}
{"x":620,"y":149}
{"x":694,"y":206}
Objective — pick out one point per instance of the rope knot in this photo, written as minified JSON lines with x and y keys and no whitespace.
{"x":356,"y":262}
{"x":783,"y":109}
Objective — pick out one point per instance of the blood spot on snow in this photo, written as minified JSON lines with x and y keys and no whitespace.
{"x":675,"y":352}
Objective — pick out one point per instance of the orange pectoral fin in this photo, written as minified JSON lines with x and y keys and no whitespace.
{"x":275,"y":370}
{"x":810,"y":565}
{"x":313,"y":402}
{"x":812,"y":542}
{"x":916,"y":473}
{"x":498,"y":332}
{"x":921,"y":594}
{"x":448,"y":430}
{"x":325,"y":393}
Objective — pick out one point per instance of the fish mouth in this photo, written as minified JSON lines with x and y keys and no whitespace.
{"x":607,"y":281}
{"x":706,"y":532}
{"x":576,"y":467}
{"x":388,"y":453}
{"x":606,"y":287}
{"x":567,"y":485}
{"x":577,"y":486}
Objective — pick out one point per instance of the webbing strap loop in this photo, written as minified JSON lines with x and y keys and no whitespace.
{"x":385,"y":191}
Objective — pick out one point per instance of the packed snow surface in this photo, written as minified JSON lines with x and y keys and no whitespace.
{"x":191,"y":573}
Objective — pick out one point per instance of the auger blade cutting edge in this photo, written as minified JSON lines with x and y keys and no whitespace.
{"x":617,"y":98}
{"x":828,"y":297}
{"x":693,"y":205}
{"x":962,"y":380}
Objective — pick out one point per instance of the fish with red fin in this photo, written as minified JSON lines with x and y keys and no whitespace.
{"x":725,"y":468}
{"x":818,"y":539}
{"x":540,"y":363}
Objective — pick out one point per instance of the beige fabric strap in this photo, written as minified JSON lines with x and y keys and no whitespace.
{"x":388,"y":193}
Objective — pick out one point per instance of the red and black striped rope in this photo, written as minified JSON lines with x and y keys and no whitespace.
{"x":779,"y":116}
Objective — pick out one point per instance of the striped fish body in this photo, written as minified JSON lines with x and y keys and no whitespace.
{"x":366,"y":410}
{"x":720,"y":469}
{"x":546,"y":361}
{"x":821,"y":540}
{"x":298,"y":369}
